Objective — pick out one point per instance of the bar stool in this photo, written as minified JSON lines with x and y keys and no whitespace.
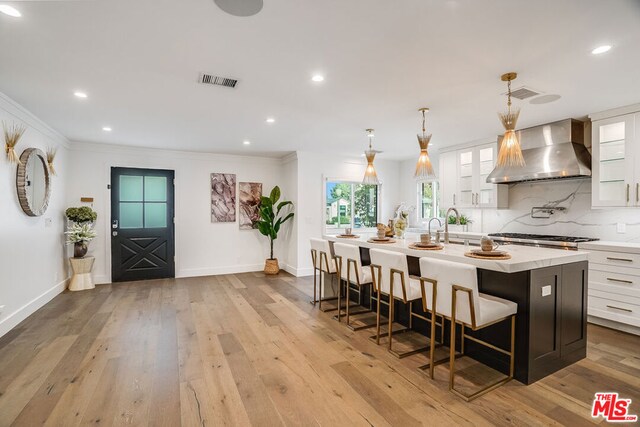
{"x":386,"y":268}
{"x":349,"y":266}
{"x":320,"y":255}
{"x":459,"y":300}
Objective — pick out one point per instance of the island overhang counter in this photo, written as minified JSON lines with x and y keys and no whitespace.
{"x":549,"y":286}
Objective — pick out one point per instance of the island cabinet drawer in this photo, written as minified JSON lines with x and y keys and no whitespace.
{"x":618,"y":283}
{"x":608,"y":306}
{"x":615,"y":258}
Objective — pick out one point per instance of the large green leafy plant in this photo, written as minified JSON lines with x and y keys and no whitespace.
{"x":81,"y":215}
{"x":271,"y":220}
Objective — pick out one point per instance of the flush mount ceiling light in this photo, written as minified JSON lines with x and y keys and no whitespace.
{"x":370,"y":175}
{"x":240,"y":7}
{"x":270,"y":120}
{"x":80,"y":94}
{"x":601,"y":49}
{"x":9,"y":10}
{"x":107,"y":129}
{"x":424,"y":168}
{"x":510,"y":153}
{"x":317,"y":78}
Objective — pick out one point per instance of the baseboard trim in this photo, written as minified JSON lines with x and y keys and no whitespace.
{"x":12,"y":320}
{"x":614,"y":325}
{"x":197,"y":272}
{"x":298,"y":272}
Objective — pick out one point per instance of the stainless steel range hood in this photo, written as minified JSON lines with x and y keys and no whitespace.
{"x":552,"y":151}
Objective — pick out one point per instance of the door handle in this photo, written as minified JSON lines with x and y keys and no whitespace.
{"x":114,"y":224}
{"x":620,"y":280}
{"x":620,"y":308}
{"x":628,"y":193}
{"x":619,"y":259}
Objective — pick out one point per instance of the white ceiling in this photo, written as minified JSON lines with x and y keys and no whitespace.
{"x":139,"y":61}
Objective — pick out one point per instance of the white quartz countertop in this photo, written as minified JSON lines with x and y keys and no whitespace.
{"x":603,"y":245}
{"x":523,"y":258}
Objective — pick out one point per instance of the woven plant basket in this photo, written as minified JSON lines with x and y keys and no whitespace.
{"x":271,"y":266}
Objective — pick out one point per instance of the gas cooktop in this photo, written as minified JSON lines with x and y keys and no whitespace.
{"x":543,"y":240}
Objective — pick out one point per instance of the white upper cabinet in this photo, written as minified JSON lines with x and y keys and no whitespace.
{"x":463,"y":178}
{"x":616,"y":161}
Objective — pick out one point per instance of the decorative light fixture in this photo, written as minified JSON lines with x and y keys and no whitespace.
{"x":510,"y":152}
{"x":370,"y":175}
{"x":424,"y":168}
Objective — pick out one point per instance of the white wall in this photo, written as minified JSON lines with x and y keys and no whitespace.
{"x":202,"y":247}
{"x":313,"y":168}
{"x":33,"y":266}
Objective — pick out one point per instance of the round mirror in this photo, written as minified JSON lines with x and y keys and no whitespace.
{"x":32,"y":182}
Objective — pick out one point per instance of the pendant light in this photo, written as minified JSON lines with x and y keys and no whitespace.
{"x":510,"y":151}
{"x":424,"y":168}
{"x":370,"y":175}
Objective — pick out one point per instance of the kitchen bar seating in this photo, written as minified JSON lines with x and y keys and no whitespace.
{"x":390,"y":269}
{"x":320,"y":257}
{"x":349,"y":267}
{"x":459,"y":300}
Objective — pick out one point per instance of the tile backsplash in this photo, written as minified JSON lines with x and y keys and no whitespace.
{"x":579,"y":219}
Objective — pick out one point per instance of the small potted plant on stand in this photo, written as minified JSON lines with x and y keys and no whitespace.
{"x":270,"y":223}
{"x":80,"y":232}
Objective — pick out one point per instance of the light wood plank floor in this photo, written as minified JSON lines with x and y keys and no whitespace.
{"x":246,"y":349}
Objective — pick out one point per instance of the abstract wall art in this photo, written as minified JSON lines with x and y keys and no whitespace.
{"x":223,"y":197}
{"x":249,"y":196}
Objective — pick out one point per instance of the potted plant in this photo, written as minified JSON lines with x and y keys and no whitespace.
{"x":270,"y":223}
{"x":80,"y":231}
{"x":464,"y":222}
{"x":80,"y":235}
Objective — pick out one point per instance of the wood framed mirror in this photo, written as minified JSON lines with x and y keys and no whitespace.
{"x":33,"y":182}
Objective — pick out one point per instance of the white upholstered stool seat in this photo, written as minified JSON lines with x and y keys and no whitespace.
{"x":351,"y":271}
{"x":459,"y":300}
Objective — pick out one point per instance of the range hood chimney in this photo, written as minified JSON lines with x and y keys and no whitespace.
{"x":552,"y":151}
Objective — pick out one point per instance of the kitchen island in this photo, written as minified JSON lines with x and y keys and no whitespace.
{"x":549,"y":286}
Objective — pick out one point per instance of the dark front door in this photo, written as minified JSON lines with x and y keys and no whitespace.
{"x":142,"y":226}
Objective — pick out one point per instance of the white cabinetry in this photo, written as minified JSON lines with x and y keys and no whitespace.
{"x":614,"y":285}
{"x":616,"y":159}
{"x":463,"y":178}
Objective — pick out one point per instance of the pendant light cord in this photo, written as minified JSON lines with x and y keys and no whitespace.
{"x":424,"y":119}
{"x":509,"y":95}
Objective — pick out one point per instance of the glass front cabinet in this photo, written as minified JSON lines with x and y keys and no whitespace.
{"x":468,"y":182}
{"x":616,"y":161}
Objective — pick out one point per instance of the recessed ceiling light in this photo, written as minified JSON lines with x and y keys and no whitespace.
{"x":601,"y":49}
{"x":9,"y":10}
{"x":317,"y":78}
{"x":246,"y":142}
{"x":80,"y":94}
{"x":270,"y":120}
{"x":107,"y":129}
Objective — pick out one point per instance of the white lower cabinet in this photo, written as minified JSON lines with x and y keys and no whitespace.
{"x":614,"y":286}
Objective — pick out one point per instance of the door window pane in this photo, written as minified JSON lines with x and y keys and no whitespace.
{"x":155,"y":215}
{"x":155,"y":189}
{"x":130,"y":188}
{"x":131,"y":215}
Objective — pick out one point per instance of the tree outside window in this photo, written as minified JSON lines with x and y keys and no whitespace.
{"x":351,"y":205}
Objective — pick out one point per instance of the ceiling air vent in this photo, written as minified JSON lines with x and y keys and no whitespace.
{"x":209,"y":79}
{"x":523,"y":93}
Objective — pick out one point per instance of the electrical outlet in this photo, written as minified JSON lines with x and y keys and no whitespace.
{"x":621,"y":228}
{"x":546,"y":291}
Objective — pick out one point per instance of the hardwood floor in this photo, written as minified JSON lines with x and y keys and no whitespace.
{"x":246,"y":349}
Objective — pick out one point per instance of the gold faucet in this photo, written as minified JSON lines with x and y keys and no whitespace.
{"x":446,"y":223}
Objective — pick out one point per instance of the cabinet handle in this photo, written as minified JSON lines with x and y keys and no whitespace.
{"x":637,"y":192}
{"x":620,"y":280}
{"x":620,"y":308}
{"x":628,"y":193}
{"x":619,"y":259}
{"x":454,"y":199}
